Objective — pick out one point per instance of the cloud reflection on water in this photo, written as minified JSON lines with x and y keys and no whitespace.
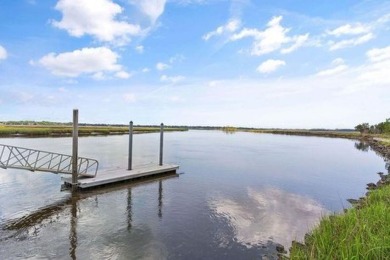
{"x":270,"y":214}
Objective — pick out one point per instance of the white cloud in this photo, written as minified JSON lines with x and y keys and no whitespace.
{"x":328,"y":72}
{"x":348,"y":29}
{"x":377,"y":71}
{"x":152,"y":8}
{"x":171,"y":79}
{"x":383,"y":19}
{"x":122,"y":75}
{"x":139,"y":49}
{"x":129,"y":97}
{"x":338,"y":67}
{"x":271,"y":39}
{"x":338,"y":61}
{"x":162,"y":66}
{"x":176,"y":58}
{"x":270,"y":65}
{"x":83,"y":61}
{"x":99,"y":76}
{"x":175,"y":99}
{"x":3,"y":53}
{"x":281,"y":215}
{"x":350,"y":35}
{"x":379,"y":54}
{"x":97,"y":18}
{"x":298,"y":42}
{"x":145,"y":70}
{"x":214,"y":83}
{"x":350,"y":42}
{"x":230,"y":27}
{"x":189,"y":2}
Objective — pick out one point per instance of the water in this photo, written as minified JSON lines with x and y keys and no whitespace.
{"x":239,"y":195}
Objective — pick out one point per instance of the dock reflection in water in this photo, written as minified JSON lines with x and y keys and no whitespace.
{"x":26,"y":227}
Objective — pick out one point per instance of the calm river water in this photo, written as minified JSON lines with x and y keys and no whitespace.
{"x":236,"y":197}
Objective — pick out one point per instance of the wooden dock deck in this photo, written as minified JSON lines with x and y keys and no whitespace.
{"x":119,"y":175}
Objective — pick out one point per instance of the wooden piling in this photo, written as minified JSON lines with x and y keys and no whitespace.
{"x":75,"y":147}
{"x":130,"y":146}
{"x":161,"y":143}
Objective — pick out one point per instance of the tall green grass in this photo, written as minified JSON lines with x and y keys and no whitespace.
{"x":362,"y":232}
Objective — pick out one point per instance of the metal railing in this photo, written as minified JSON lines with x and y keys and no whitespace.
{"x":35,"y":160}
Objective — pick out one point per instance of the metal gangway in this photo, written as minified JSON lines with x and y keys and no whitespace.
{"x":35,"y":160}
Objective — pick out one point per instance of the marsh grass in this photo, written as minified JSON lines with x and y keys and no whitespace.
{"x":385,"y":140}
{"x":362,"y":232}
{"x":67,"y":130}
{"x":337,"y":134}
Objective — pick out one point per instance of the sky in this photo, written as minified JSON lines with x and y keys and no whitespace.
{"x":271,"y":64}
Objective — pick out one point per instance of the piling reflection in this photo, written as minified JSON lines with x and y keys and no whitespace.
{"x":129,"y":210}
{"x":268,"y":215}
{"x":160,"y":197}
{"x":35,"y":220}
{"x":73,"y":226}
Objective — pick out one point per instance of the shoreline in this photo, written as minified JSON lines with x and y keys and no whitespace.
{"x":354,"y":232}
{"x":380,"y":144}
{"x":66,"y":131}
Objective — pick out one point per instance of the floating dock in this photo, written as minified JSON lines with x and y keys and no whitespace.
{"x":120,"y":175}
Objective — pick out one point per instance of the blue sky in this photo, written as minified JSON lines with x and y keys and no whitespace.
{"x":285,"y":64}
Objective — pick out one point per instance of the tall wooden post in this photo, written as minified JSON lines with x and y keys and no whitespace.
{"x":75,"y":147}
{"x":130,"y":146}
{"x":161,"y":143}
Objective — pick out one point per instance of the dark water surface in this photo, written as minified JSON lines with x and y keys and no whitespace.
{"x":239,"y":196}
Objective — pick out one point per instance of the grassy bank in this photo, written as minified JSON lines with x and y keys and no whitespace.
{"x":52,"y":130}
{"x":323,"y":133}
{"x":362,"y":232}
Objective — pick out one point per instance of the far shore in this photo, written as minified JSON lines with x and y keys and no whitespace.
{"x":66,"y":130}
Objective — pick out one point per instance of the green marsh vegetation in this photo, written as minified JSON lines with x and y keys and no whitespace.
{"x":32,"y":130}
{"x":229,"y":129}
{"x":363,"y":232}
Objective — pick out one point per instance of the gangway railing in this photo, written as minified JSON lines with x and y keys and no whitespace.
{"x":36,"y":160}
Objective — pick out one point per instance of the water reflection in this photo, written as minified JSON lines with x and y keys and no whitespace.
{"x":362,"y":146}
{"x":73,"y":227}
{"x":26,"y":226}
{"x":207,"y":214}
{"x":267,"y":215}
{"x":129,"y":209}
{"x":365,"y":147}
{"x":160,"y":197}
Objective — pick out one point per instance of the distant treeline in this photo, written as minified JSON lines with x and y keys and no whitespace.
{"x":380,"y":128}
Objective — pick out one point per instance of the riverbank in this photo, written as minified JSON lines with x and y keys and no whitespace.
{"x":360,"y":232}
{"x":320,"y":133}
{"x":62,"y":130}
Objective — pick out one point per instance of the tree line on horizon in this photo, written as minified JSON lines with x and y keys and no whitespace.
{"x":380,"y":128}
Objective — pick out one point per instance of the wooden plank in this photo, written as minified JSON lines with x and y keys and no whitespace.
{"x":119,"y":175}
